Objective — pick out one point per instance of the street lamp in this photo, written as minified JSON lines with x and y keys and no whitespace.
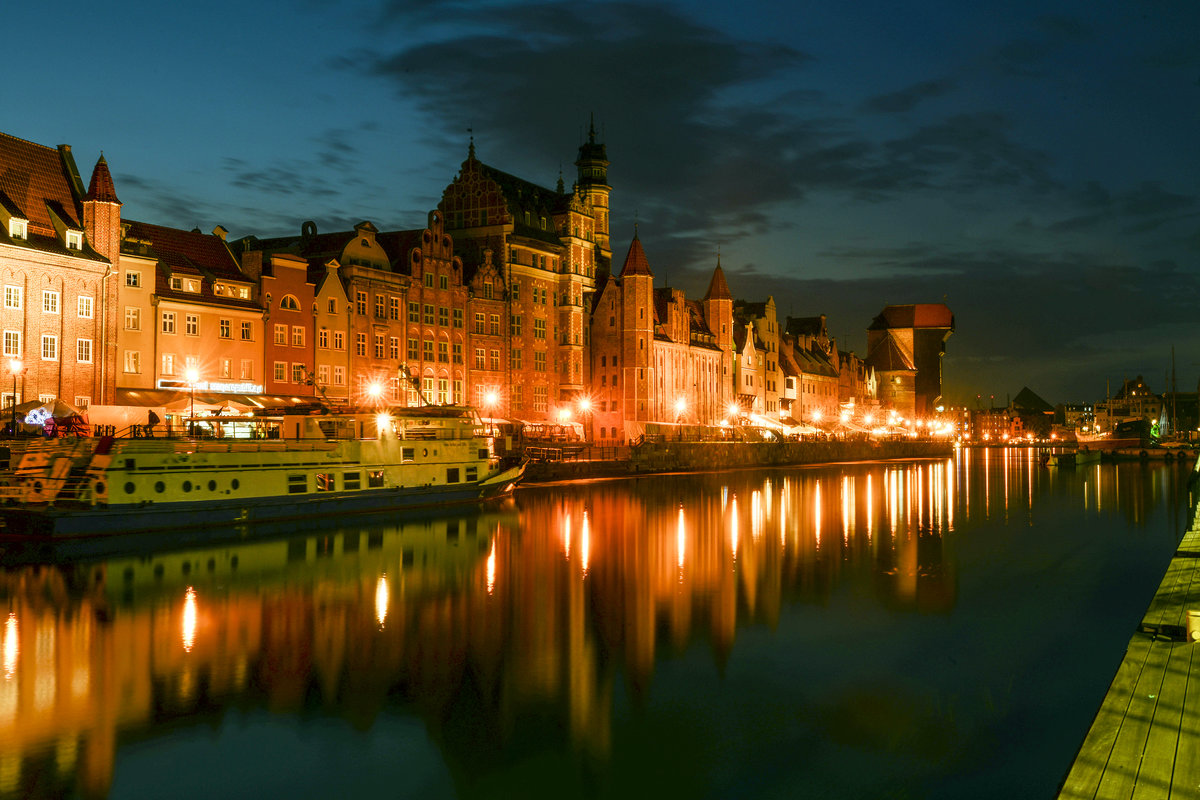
{"x":14,"y":365}
{"x":193,"y":375}
{"x":585,"y":408}
{"x":490,"y":399}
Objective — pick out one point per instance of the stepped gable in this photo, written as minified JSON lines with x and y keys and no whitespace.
{"x":635,"y":261}
{"x":399,"y":246}
{"x":186,"y":253}
{"x":101,"y":186}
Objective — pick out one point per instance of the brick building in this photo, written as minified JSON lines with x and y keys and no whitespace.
{"x":548,"y":246}
{"x":58,"y":247}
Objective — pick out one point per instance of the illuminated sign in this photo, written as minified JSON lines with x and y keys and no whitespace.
{"x":215,"y":387}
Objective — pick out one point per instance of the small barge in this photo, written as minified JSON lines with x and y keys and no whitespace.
{"x":338,"y":465}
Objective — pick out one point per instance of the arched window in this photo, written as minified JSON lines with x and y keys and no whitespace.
{"x":289,"y":303}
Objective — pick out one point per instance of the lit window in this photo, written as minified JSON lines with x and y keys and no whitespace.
{"x":18,"y":228}
{"x":74,"y":240}
{"x":133,"y":362}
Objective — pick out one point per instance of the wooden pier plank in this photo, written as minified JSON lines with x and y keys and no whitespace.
{"x":1185,"y":778}
{"x":1129,"y":747}
{"x":1085,"y":775}
{"x":1158,"y":759}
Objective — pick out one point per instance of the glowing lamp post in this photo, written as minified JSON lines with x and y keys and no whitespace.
{"x":15,"y":366}
{"x":192,"y":375}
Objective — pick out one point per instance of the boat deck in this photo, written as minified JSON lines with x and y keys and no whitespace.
{"x":1145,"y":739}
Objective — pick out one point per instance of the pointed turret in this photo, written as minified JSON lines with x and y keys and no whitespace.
{"x":718,"y":289}
{"x":636,"y":262}
{"x":101,"y":186}
{"x":102,"y":213}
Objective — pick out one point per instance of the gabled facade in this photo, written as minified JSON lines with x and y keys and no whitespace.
{"x":330,"y":320}
{"x":488,"y":348}
{"x":58,"y":248}
{"x":186,"y":304}
{"x":763,"y":320}
{"x":548,"y":245}
{"x":288,"y":315}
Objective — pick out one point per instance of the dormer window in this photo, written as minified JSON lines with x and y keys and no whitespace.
{"x":74,"y":240}
{"x":18,"y":228}
{"x":179,"y":284}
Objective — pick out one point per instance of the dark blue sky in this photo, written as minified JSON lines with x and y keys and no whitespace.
{"x":1035,"y":165}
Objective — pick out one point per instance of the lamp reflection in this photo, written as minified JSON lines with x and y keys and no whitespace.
{"x":491,"y":569}
{"x":585,"y":544}
{"x":12,"y":646}
{"x":381,"y":599}
{"x":680,"y":541}
{"x":189,"y":619}
{"x":733,"y":527}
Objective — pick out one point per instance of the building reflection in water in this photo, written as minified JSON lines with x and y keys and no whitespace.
{"x":543,"y":606}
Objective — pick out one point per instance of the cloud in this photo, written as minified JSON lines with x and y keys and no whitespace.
{"x":908,"y":98}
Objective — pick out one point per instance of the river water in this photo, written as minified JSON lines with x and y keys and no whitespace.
{"x":930,"y":629}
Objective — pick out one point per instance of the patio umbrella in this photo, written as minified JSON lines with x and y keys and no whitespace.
{"x":59,"y":409}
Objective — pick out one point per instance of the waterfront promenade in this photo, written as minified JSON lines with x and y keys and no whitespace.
{"x":1145,"y":739}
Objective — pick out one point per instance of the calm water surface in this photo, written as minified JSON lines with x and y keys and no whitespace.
{"x":936,"y":629}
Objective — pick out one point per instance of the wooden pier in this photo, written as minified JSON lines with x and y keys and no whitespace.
{"x":1145,"y":740}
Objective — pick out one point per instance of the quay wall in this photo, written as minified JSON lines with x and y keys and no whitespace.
{"x":668,"y":456}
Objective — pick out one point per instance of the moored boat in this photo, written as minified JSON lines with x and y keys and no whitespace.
{"x":336,"y":465}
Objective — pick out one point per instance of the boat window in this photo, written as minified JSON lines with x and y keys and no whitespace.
{"x":375,"y":478}
{"x":297,"y":484}
{"x":408,"y":454}
{"x":472,"y":474}
{"x":326,"y":482}
{"x":483,"y":453}
{"x":452,"y":475}
{"x":351,"y":480}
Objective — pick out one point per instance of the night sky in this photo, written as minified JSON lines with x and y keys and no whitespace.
{"x":1034,"y":165}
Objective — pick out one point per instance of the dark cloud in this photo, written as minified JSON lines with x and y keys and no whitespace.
{"x":907,"y":99}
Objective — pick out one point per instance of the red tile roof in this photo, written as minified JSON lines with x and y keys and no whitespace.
{"x":187,"y":253}
{"x":33,"y":176}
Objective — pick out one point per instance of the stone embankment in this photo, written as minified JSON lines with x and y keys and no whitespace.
{"x":676,"y":456}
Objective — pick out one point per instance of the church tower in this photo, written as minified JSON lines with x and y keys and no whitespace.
{"x":593,"y":185}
